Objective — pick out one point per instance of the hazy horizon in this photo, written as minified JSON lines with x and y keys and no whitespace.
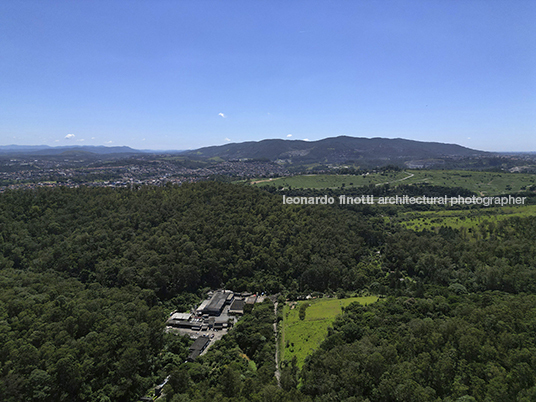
{"x":190,"y":149}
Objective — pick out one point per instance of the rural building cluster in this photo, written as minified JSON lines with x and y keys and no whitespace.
{"x":217,"y":313}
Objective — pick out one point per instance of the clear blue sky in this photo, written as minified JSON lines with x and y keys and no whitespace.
{"x":185,"y":74}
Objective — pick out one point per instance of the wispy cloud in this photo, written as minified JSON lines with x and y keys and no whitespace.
{"x":108,"y":142}
{"x":222,"y":115}
{"x":80,"y":140}
{"x":289,"y":135}
{"x":69,"y":136}
{"x":227,"y":139}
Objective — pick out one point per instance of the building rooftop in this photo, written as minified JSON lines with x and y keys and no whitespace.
{"x":237,"y":307}
{"x":197,"y":347}
{"x":200,"y":343}
{"x":180,"y":316}
{"x":203,"y":305}
{"x":217,"y":301}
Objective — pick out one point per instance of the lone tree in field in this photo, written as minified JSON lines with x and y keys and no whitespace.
{"x":303,"y":307}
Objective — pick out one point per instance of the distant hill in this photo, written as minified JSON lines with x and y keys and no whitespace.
{"x":14,"y":149}
{"x":339,"y":150}
{"x":364,"y":152}
{"x":45,"y":150}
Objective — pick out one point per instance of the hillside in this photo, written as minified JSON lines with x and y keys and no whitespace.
{"x":45,"y":150}
{"x":339,"y":150}
{"x":483,"y":183}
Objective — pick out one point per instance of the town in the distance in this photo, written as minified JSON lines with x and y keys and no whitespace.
{"x":41,"y":166}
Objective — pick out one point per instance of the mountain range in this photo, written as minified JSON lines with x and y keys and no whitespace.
{"x":338,"y":150}
{"x":334,"y":150}
{"x":45,"y":150}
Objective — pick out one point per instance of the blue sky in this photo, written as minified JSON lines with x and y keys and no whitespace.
{"x":186,"y":74}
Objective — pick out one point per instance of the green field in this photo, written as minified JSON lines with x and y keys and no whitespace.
{"x":483,"y":183}
{"x":321,"y":181}
{"x":433,"y":220}
{"x":299,"y":337}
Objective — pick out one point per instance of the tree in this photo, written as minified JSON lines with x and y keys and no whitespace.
{"x":302,"y":310}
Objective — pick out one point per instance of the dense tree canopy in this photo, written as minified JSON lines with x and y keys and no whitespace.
{"x":63,"y":341}
{"x":87,"y":276}
{"x":405,"y":349}
{"x":172,"y":240}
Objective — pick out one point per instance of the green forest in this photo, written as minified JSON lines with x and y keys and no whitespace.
{"x":88,"y":277}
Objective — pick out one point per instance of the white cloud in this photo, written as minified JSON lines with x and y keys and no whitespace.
{"x":81,"y":140}
{"x":92,"y":138}
{"x":108,"y":142}
{"x":56,"y":140}
{"x":227,"y":139}
{"x":222,"y":115}
{"x":143,"y":139}
{"x":306,"y":139}
{"x":69,"y":136}
{"x":289,"y":135}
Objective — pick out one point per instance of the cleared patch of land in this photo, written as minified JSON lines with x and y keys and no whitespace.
{"x":457,"y":219}
{"x":483,"y":183}
{"x":301,"y":337}
{"x":320,"y":181}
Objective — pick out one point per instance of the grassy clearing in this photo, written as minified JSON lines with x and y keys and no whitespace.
{"x":483,"y":183}
{"x":301,"y":337}
{"x":320,"y":181}
{"x":433,"y":220}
